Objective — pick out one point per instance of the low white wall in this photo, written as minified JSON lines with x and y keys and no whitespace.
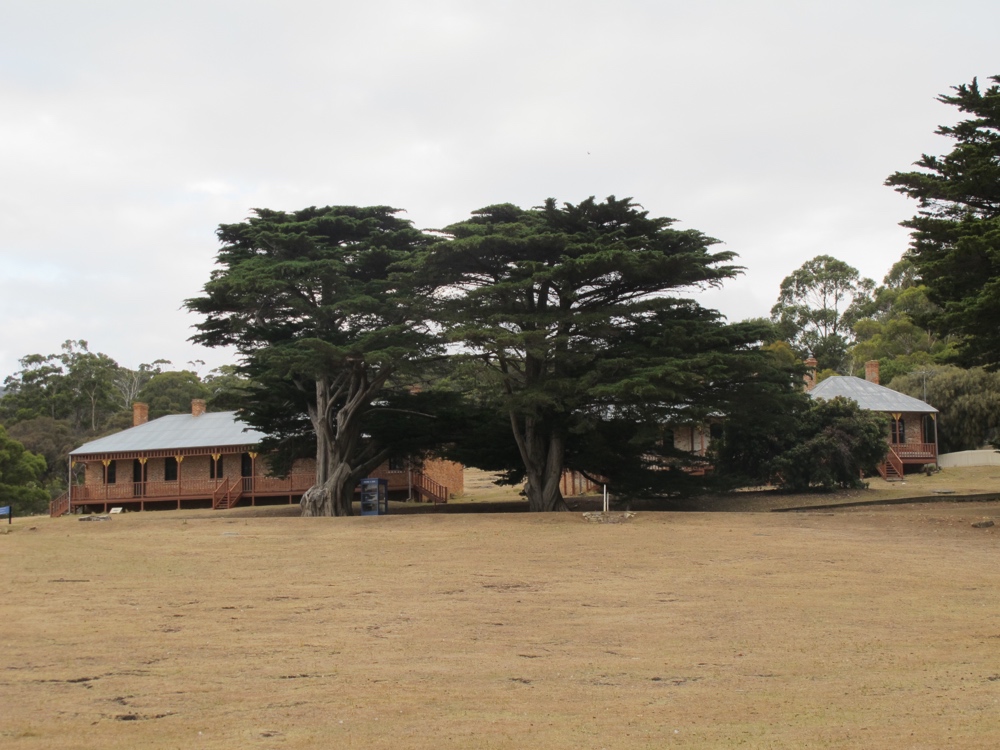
{"x":969,"y":458}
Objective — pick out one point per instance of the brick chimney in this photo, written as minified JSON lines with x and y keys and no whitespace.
{"x":871,"y":371}
{"x":810,"y":376}
{"x":140,"y":413}
{"x":197,"y":407}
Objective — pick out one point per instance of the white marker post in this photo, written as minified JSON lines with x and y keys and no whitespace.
{"x":605,"y":498}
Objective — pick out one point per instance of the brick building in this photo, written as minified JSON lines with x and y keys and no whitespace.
{"x":210,"y":460}
{"x":912,"y":432}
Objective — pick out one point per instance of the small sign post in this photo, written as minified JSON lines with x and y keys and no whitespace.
{"x":8,"y":511}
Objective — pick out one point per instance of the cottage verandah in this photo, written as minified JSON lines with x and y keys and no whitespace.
{"x":210,"y":460}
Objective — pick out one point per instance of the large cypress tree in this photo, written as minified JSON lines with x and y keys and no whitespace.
{"x":583,"y":312}
{"x":322,"y":323}
{"x":955,"y":241}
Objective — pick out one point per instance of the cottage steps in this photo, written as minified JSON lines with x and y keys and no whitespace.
{"x":59,"y":506}
{"x":227,"y":497}
{"x":889,"y":473}
{"x":429,"y":490}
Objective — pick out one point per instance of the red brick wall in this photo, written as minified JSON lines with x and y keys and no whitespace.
{"x":448,"y":473}
{"x":913,"y":427}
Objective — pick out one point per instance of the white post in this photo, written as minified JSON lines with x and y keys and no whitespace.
{"x":605,"y":498}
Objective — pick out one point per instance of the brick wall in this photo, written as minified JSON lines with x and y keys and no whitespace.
{"x":913,"y":428}
{"x":448,"y":473}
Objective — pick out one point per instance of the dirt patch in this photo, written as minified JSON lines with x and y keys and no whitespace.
{"x":845,"y":628}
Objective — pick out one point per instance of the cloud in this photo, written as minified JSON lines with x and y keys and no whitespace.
{"x":131,"y":130}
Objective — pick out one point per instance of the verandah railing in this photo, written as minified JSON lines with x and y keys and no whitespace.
{"x":926,"y":451}
{"x":431,"y":489}
{"x":221,"y":492}
{"x":192,"y":488}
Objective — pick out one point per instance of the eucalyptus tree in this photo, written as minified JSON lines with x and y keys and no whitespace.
{"x":76,"y":385}
{"x":816,"y":307}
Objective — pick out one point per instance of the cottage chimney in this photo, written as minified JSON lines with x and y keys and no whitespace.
{"x":197,"y":407}
{"x":871,"y":371}
{"x":140,"y":413}
{"x":810,"y":376}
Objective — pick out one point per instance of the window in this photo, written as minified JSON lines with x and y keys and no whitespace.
{"x":170,"y":469}
{"x":215,"y":470}
{"x":397,"y":464}
{"x":930,"y":429}
{"x":898,"y":431}
{"x":111,"y":474}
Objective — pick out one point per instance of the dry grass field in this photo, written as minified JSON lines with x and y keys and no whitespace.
{"x":862,"y":627}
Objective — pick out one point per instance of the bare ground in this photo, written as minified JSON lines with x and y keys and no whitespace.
{"x":871,"y":626}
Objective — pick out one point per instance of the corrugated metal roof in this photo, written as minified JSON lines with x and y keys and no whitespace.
{"x":868,"y":395}
{"x":214,"y":429}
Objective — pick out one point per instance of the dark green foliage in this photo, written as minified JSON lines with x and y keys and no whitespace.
{"x":955,"y":239}
{"x":816,"y":306}
{"x":323,"y":322}
{"x":763,"y":420}
{"x":53,"y":440}
{"x":577,"y":311}
{"x":21,"y":478}
{"x":717,"y":373}
{"x":835,"y":444}
{"x":480,"y":433}
{"x":968,"y":402}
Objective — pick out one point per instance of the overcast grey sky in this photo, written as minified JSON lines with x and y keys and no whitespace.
{"x":130,"y":130}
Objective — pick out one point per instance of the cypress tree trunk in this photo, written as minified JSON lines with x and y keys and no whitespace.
{"x":542,"y":454}
{"x":333,"y":492}
{"x":340,"y":460}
